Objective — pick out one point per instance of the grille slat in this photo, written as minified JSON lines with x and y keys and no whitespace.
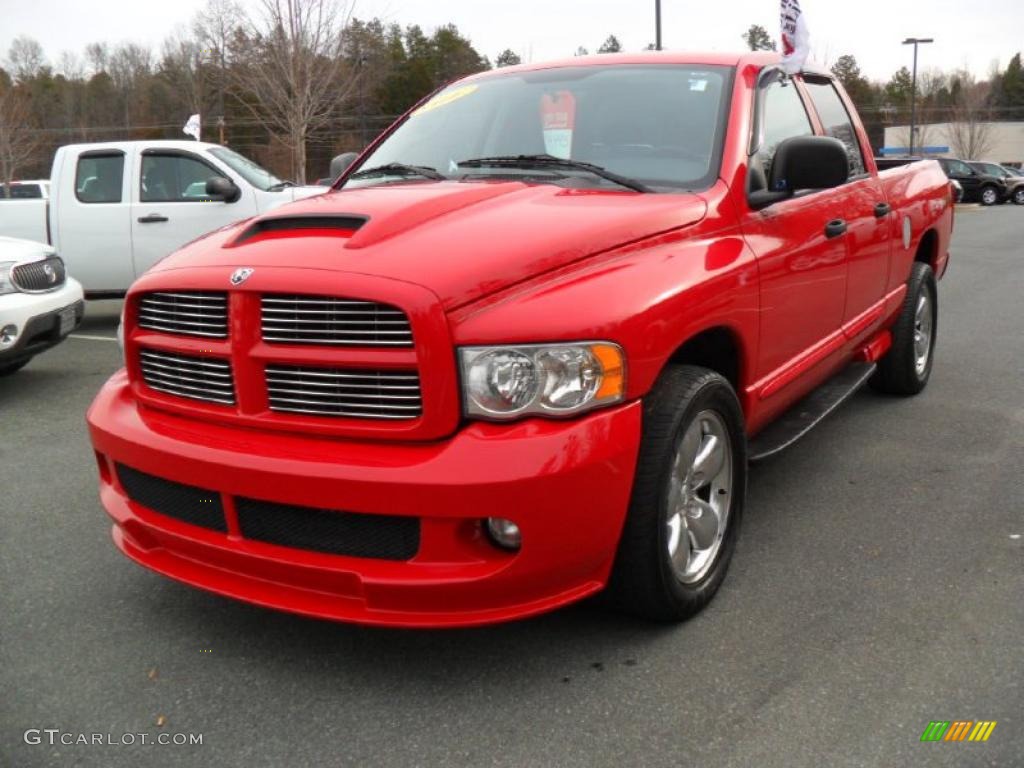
{"x":185,"y":314}
{"x":192,"y":377}
{"x":344,"y":392}
{"x":326,"y":321}
{"x":39,"y":276}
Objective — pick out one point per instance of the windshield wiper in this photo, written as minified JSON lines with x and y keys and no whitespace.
{"x":280,"y":185}
{"x":550,"y":161}
{"x":400,"y":169}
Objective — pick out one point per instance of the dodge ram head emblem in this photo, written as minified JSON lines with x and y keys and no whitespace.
{"x":50,"y":272}
{"x":239,"y":276}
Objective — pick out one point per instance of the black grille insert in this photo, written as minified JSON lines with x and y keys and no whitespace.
{"x":195,"y":506}
{"x":381,"y":537}
{"x":39,"y":276}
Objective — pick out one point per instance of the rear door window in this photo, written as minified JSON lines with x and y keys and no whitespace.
{"x":836,"y":120}
{"x":98,"y":178}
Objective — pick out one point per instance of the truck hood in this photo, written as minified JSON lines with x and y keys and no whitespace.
{"x":461,"y":240}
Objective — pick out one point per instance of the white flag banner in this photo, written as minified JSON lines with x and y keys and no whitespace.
{"x":796,"y":40}
{"x":192,"y":127}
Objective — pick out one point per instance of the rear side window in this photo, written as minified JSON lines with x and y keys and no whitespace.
{"x":836,"y":120}
{"x":174,"y":179}
{"x":20,"y":192}
{"x":98,"y":178}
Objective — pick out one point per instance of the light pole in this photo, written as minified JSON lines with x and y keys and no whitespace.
{"x":657,"y":25}
{"x":914,"y":41}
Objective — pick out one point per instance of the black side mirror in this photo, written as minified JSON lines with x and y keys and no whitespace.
{"x":221,"y":188}
{"x":341,"y":163}
{"x":804,"y":162}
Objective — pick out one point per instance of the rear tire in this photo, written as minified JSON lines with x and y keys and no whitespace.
{"x":688,"y":498}
{"x":907,"y":365}
{"x":6,"y":369}
{"x":1018,"y":196}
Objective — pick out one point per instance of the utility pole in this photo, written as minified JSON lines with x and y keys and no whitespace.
{"x":657,"y":25}
{"x":914,"y":41}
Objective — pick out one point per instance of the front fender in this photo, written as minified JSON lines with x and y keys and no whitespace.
{"x":650,"y":298}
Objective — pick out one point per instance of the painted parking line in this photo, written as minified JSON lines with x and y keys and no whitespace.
{"x":91,"y":338}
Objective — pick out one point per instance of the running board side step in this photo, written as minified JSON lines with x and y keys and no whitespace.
{"x":809,"y":412}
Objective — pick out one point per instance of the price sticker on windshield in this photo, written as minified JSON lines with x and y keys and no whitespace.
{"x":558,"y":118}
{"x":445,"y":98}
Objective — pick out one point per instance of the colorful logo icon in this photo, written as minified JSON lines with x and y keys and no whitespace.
{"x":958,"y":730}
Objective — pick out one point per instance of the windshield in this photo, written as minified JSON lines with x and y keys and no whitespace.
{"x":660,"y":125}
{"x":255,"y":174}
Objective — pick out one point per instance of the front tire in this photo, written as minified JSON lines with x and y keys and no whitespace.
{"x":989,"y":196}
{"x":907,"y":365}
{"x":688,"y":497}
{"x":1018,"y":196}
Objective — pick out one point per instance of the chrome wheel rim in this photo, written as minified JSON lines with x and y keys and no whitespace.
{"x":988,"y":196}
{"x":1018,"y":197}
{"x":700,"y":495}
{"x":923,"y":323}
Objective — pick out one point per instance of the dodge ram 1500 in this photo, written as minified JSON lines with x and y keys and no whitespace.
{"x":525,"y":349}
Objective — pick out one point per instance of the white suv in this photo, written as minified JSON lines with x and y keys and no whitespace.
{"x":39,"y":303}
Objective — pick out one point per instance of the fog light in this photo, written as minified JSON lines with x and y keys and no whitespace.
{"x":8,"y":334}
{"x":504,"y":533}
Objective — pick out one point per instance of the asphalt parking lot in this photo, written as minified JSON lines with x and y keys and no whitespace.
{"x":877,"y":586}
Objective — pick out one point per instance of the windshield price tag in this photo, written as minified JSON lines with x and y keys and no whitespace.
{"x":558,"y":116}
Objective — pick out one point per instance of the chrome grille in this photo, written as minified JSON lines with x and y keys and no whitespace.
{"x":197,"y":313}
{"x":199,"y":378}
{"x":345,"y":392}
{"x":324,"y":320}
{"x":38,"y":276}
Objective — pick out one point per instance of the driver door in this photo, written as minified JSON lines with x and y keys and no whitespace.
{"x":170,"y":206}
{"x":802,"y":268}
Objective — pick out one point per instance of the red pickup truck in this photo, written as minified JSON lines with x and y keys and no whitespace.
{"x":524,"y":351}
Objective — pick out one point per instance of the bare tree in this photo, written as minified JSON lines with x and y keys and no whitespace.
{"x":215,"y":28}
{"x":182,"y":65}
{"x":129,"y":67}
{"x":970,"y":132}
{"x":18,"y":140}
{"x":293,"y":77}
{"x":25,"y":58}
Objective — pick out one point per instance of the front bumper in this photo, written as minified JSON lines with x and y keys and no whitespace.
{"x":37,"y":318}
{"x":566,"y":484}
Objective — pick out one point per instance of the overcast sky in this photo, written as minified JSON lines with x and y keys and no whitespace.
{"x":973,"y":33}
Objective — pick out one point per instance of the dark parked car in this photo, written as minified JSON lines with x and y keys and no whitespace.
{"x":978,"y":187}
{"x":1013,"y":179}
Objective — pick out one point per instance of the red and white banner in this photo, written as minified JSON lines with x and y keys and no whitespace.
{"x":796,"y":40}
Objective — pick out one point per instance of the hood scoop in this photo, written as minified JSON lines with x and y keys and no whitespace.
{"x":307,"y":225}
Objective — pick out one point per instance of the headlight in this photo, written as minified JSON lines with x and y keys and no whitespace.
{"x":6,"y":286}
{"x":541,"y":379}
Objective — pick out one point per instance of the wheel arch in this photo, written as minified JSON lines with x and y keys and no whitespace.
{"x":928,"y":249}
{"x":718,"y":348}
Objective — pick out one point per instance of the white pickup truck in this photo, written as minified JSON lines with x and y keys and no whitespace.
{"x":23,"y":209}
{"x":117,"y":208}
